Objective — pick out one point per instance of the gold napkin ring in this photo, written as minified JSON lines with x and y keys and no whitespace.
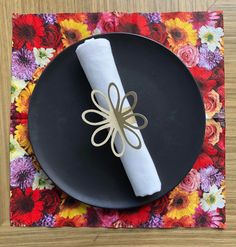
{"x":117,"y":119}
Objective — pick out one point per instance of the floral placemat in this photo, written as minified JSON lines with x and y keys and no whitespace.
{"x":197,"y":39}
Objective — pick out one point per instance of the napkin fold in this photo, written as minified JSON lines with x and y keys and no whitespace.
{"x":97,"y":61}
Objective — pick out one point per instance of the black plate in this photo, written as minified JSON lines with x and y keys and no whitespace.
{"x":167,"y":95}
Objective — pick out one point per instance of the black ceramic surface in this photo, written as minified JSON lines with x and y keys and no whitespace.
{"x":167,"y":96}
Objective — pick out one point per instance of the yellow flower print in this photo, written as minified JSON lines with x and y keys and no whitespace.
{"x":182,"y":203}
{"x":71,"y":208}
{"x":73,"y":31}
{"x":21,"y":135}
{"x":22,"y":102}
{"x":180,"y":33}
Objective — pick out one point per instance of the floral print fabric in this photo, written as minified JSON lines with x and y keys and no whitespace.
{"x":197,"y":39}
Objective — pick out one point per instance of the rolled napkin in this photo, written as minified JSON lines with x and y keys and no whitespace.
{"x":97,"y":61}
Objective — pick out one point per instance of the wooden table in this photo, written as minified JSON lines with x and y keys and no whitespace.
{"x":117,"y":237}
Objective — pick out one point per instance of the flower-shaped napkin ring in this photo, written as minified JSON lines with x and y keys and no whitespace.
{"x":118,"y":119}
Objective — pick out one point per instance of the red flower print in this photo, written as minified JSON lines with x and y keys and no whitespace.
{"x":183,"y":16}
{"x":218,"y":74}
{"x":208,"y":85}
{"x":52,"y":36}
{"x":185,"y":221}
{"x":26,"y":207}
{"x":92,"y":217}
{"x":160,"y":205}
{"x":51,"y":200}
{"x":201,"y":74}
{"x":79,"y":17}
{"x":158,"y":33}
{"x":220,"y":22}
{"x":219,"y":161}
{"x":106,"y":23}
{"x":202,"y":161}
{"x":203,"y":78}
{"x":107,"y":216}
{"x":204,"y":18}
{"x":16,"y":115}
{"x":28,"y":30}
{"x":221,"y":143}
{"x":207,"y":218}
{"x":136,"y":217}
{"x":209,"y":149}
{"x":133,"y":23}
{"x":76,"y":221}
{"x":178,"y":31}
{"x":221,"y":92}
{"x":93,"y":19}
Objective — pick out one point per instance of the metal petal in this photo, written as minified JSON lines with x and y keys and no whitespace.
{"x":126,"y":111}
{"x":106,"y":126}
{"x":113,"y":85}
{"x":138,"y":146}
{"x":102,"y":114}
{"x":100,"y":94}
{"x":114,"y":136}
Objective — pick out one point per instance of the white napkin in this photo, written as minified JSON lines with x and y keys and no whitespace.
{"x":96,"y":59}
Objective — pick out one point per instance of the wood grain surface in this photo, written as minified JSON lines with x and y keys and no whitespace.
{"x":10,"y":236}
